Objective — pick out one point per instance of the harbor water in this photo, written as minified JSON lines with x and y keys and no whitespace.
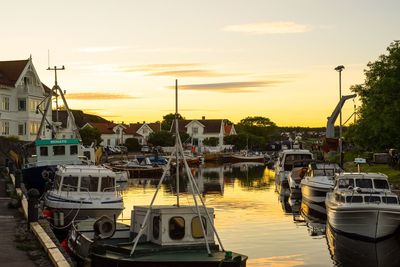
{"x":252,"y":219}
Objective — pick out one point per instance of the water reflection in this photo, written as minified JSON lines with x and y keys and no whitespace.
{"x":346,"y":251}
{"x":272,"y":229}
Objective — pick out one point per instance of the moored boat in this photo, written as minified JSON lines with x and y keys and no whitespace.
{"x":83,"y":191}
{"x":362,"y":205}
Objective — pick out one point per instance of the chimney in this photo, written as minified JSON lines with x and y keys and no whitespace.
{"x":203,"y":117}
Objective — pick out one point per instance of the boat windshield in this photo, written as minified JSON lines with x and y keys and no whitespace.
{"x":381,"y":184}
{"x":70,"y":183}
{"x":364,"y":183}
{"x":291,"y":158}
{"x":107,"y":184}
{"x":89,"y":183}
{"x":346,"y":183}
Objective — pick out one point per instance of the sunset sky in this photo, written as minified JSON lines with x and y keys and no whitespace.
{"x":232,"y":58}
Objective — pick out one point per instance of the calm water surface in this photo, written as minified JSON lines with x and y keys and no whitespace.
{"x":252,"y":219}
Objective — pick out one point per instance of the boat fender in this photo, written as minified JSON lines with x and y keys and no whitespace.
{"x":45,"y":175}
{"x":104,"y":227}
{"x":61,"y":218}
{"x":55,"y":218}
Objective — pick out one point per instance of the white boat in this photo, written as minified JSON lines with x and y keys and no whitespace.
{"x":318,"y":181}
{"x":363,"y":205}
{"x":284,"y":165}
{"x":83,"y":191}
{"x":299,"y":170}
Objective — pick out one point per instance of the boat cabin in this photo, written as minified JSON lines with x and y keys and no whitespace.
{"x":364,"y":188}
{"x":172,"y":225}
{"x":323,"y":169}
{"x":288,"y":157}
{"x":84,"y":178}
{"x":60,"y":151}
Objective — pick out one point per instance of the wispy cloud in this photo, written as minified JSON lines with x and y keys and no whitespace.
{"x":101,"y":49}
{"x":175,"y":70}
{"x":230,"y":87}
{"x":274,"y":27}
{"x":157,"y":67}
{"x":98,"y":96}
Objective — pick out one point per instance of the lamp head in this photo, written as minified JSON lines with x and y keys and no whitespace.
{"x":339,"y":68}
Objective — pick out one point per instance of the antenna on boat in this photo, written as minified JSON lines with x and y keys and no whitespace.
{"x":56,"y":91}
{"x":178,"y":151}
{"x":177,"y":142}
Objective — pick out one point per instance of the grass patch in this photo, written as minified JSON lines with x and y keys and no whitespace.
{"x":393,"y":175}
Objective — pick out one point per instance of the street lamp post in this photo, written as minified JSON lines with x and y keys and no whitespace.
{"x":339,"y":69}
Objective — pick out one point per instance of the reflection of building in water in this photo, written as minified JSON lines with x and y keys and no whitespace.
{"x":210,"y":180}
{"x":346,"y":251}
{"x":249,"y":174}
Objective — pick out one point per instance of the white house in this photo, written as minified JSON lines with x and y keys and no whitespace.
{"x":21,"y":91}
{"x":141,"y":131}
{"x":111,"y":133}
{"x":199,"y":130}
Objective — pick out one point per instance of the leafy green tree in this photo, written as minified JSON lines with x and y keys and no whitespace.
{"x":168,"y":119}
{"x":378,"y":125}
{"x":211,"y":141}
{"x":246,"y":141}
{"x":90,"y":135}
{"x":258,"y":126}
{"x":161,"y":138}
{"x":132,"y":144}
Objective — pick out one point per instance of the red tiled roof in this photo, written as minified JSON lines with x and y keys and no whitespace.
{"x":103,"y":127}
{"x":132,"y":128}
{"x":11,"y":70}
{"x":156,"y":127}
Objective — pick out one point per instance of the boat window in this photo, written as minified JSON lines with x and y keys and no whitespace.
{"x":107,"y":184}
{"x":176,"y":228}
{"x":44,"y":151}
{"x":364,"y":183}
{"x":389,"y":200}
{"x":381,"y":184}
{"x":58,"y":150}
{"x":70,"y":183}
{"x":339,"y":198}
{"x":372,"y":199}
{"x":345,"y":183}
{"x":73,"y":150}
{"x":156,"y":227}
{"x":89,"y":183}
{"x":354,"y":199}
{"x":197,"y":232}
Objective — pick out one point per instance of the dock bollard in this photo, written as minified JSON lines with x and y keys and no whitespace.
{"x":33,"y":205}
{"x":18,"y":178}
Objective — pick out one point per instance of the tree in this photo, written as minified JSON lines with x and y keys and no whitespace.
{"x":90,"y":135}
{"x":167,"y":121}
{"x":246,"y":141}
{"x":132,"y":144}
{"x":211,"y":141}
{"x":161,"y":138}
{"x":258,"y":126}
{"x":378,"y":125}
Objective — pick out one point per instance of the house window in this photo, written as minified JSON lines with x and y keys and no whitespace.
{"x":21,"y":104}
{"x":5,"y":128}
{"x":33,"y":104}
{"x":195,"y":130}
{"x":34,"y":127}
{"x":176,"y":228}
{"x":145,"y":131}
{"x":21,"y":129}
{"x":5,"y":105}
{"x":108,"y":142}
{"x":197,"y":231}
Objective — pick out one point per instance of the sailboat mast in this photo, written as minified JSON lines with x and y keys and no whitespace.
{"x":176,"y":142}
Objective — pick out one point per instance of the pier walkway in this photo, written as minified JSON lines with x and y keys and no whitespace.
{"x":10,"y":255}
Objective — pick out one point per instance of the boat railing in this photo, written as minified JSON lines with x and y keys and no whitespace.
{"x":77,"y":189}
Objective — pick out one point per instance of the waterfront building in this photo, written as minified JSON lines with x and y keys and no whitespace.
{"x":21,"y":92}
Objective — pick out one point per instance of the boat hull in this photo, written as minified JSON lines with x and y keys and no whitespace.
{"x":235,"y":159}
{"x":371,"y":222}
{"x":315,"y":194}
{"x":76,"y":210}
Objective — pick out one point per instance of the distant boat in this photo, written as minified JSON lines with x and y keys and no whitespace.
{"x":136,"y":169}
{"x":247,"y":157}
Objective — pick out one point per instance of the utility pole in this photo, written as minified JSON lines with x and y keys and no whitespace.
{"x":339,"y":69}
